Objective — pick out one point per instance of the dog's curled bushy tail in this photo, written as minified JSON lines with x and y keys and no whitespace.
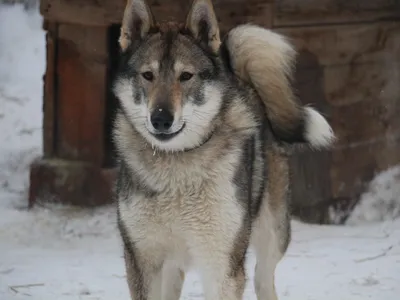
{"x":265,"y":60}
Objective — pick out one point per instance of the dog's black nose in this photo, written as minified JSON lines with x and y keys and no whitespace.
{"x":162,"y":119}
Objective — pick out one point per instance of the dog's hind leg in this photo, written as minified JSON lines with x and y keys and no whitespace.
{"x":271,"y":231}
{"x":271,"y":235}
{"x":268,"y":252}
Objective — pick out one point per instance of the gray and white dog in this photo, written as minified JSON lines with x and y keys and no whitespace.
{"x":203,"y":173}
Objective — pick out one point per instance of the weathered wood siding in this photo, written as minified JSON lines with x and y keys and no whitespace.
{"x":348,"y":67}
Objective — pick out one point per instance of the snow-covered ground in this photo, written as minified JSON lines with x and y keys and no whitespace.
{"x":67,"y":254}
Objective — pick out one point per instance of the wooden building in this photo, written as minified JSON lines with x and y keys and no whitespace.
{"x":348,"y":67}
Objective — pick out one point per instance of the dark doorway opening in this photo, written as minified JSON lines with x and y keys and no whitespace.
{"x":112,"y":103}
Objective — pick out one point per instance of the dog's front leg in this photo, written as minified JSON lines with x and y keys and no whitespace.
{"x":144,"y":279}
{"x":220,"y":281}
{"x":220,"y":258}
{"x":172,"y":282}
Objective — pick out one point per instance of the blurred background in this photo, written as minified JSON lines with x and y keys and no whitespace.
{"x":58,"y":237}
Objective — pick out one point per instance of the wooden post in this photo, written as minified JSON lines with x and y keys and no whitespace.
{"x":75,"y":91}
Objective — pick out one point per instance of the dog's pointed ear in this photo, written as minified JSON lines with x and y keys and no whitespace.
{"x":136,"y":23}
{"x":203,"y":24}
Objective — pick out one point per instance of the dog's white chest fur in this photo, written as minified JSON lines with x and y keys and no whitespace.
{"x":193,"y":202}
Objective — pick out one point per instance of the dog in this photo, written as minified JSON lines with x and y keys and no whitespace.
{"x":201,"y":137}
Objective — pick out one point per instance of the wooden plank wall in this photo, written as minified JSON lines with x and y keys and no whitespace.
{"x":349,"y":62}
{"x":81,"y":92}
{"x":106,"y":12}
{"x":75,"y":92}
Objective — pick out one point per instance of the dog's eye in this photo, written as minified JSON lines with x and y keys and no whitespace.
{"x":185,"y":76}
{"x":148,"y":76}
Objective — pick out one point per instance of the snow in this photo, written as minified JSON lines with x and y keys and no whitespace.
{"x":66,"y":253}
{"x":22,"y":55}
{"x":381,"y":201}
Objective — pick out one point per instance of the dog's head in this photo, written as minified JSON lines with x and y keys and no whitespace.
{"x":170,"y":81}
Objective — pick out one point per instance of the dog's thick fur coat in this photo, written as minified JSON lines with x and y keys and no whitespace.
{"x":203,"y":173}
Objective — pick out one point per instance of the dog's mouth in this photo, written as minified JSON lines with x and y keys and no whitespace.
{"x":167,"y":136}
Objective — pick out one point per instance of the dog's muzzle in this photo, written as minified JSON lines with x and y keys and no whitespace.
{"x":162,"y":120}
